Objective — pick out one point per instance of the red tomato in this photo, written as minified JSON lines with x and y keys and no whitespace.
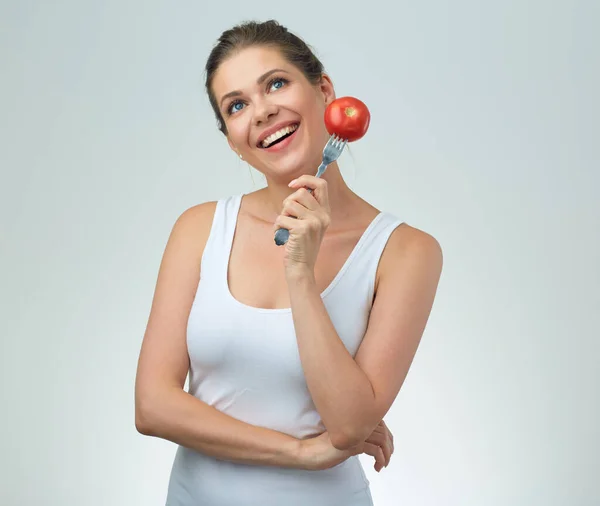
{"x":348,"y":118}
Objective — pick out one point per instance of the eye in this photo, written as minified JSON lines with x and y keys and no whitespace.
{"x":278,"y":83}
{"x":233,"y":107}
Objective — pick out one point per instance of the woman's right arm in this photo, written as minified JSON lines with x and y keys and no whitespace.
{"x":162,"y":408}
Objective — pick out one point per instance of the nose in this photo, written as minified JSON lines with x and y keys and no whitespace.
{"x":263,"y":110}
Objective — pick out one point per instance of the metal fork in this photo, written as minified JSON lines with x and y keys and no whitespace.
{"x":333,"y":149}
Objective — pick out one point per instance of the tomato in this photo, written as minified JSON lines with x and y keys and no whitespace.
{"x":348,"y":118}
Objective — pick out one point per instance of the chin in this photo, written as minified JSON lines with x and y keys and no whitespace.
{"x":299,"y":167}
{"x":306,"y":160}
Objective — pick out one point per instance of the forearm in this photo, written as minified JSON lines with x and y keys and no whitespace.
{"x":181,"y":418}
{"x":340,"y":389}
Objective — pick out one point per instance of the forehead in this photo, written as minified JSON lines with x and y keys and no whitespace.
{"x":241,"y":70}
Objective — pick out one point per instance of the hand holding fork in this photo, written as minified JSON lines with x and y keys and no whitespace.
{"x":333,"y":149}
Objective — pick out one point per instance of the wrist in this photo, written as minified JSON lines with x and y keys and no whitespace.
{"x":300,"y":274}
{"x":296,"y":451}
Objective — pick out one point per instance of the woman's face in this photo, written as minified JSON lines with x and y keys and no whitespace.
{"x":273,"y":115}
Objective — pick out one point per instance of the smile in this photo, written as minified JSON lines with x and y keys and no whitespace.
{"x":279,"y":136}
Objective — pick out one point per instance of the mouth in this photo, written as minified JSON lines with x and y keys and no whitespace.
{"x":279,"y":139}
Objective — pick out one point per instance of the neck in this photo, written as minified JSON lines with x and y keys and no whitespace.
{"x":341,"y":197}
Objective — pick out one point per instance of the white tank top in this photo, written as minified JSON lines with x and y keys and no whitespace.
{"x":244,"y":361}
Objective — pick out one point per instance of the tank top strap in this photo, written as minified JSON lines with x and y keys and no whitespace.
{"x":218,"y":246}
{"x":379,"y":235}
{"x":360,"y":278}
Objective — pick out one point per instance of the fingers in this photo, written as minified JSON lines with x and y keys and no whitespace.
{"x":375,"y":451}
{"x":381,"y":437}
{"x":294,"y":209}
{"x":314,"y":183}
{"x":302,"y":205}
{"x":391,"y":436}
{"x":378,"y":438}
{"x":304,"y":197}
{"x":383,"y":443}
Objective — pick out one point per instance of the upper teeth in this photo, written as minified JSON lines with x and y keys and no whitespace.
{"x":277,"y":135}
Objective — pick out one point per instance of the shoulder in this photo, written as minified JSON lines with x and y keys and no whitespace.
{"x":410,"y":250}
{"x":406,"y":241}
{"x":196,"y":218}
{"x":190,"y":232}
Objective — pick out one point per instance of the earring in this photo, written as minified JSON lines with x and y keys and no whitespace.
{"x":240,"y":155}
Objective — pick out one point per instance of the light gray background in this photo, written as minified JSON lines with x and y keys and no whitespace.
{"x":484,"y":133}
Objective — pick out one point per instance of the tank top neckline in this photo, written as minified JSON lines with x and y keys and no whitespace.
{"x":231,"y":227}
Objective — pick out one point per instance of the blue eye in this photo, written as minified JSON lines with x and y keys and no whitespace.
{"x":274,"y":83}
{"x":233,"y":107}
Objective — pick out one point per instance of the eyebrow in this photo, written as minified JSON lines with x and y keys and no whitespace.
{"x":260,"y":80}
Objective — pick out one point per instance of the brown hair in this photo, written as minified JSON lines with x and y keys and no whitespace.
{"x":270,"y":34}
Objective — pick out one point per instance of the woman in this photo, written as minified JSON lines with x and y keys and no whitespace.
{"x":295,"y":352}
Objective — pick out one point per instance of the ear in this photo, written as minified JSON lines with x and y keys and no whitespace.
{"x":326,"y":88}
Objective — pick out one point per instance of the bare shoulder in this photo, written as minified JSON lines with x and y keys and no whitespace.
{"x":192,"y":228}
{"x":411,"y":249}
{"x":410,"y":241}
{"x":197,"y":218}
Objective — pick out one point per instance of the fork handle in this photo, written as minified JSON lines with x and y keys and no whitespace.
{"x":321,"y":169}
{"x":283,"y":234}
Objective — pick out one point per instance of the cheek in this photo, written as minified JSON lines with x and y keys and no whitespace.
{"x":238,"y":133}
{"x":312,"y":110}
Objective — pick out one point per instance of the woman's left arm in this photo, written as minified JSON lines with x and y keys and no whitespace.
{"x":352,"y":395}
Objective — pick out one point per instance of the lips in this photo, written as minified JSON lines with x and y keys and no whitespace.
{"x":270,"y":131}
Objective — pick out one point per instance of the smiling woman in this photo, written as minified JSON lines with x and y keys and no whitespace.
{"x":270,"y":111}
{"x":294,"y":354}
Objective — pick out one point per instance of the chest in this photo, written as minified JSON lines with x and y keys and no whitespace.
{"x":256,"y":273}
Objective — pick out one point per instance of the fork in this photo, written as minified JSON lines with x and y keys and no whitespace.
{"x":333,"y":149}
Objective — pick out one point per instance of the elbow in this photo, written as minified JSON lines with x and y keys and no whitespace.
{"x":142,"y":425}
{"x":143,"y":418}
{"x":151,"y":408}
{"x":351,"y":435}
{"x":346,"y":439}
